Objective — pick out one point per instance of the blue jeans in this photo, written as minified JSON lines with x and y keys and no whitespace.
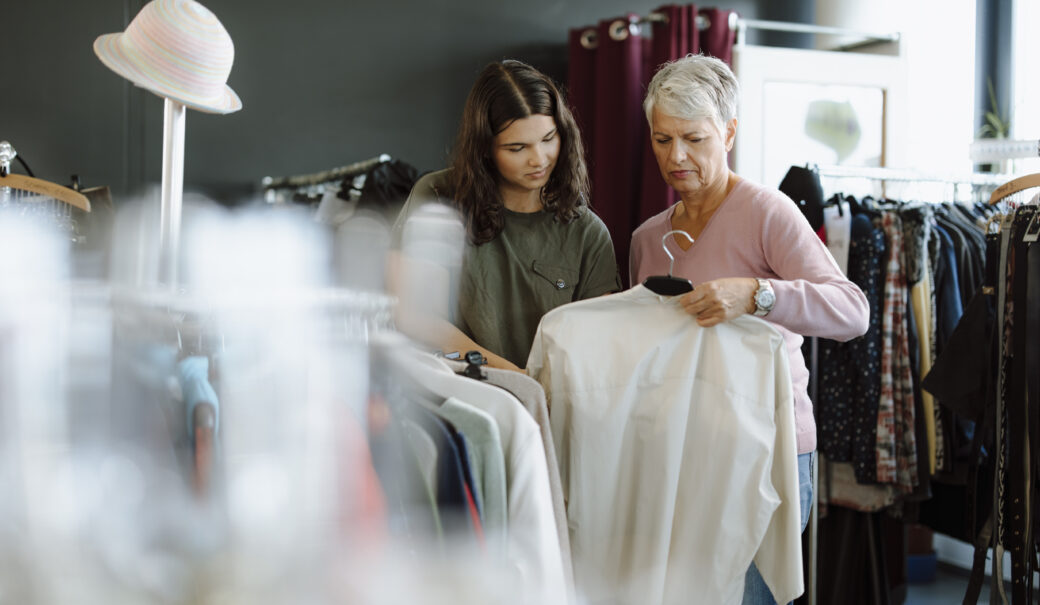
{"x":755,"y":590}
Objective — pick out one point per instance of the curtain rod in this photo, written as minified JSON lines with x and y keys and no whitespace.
{"x":621,"y":28}
{"x":738,"y":23}
{"x":702,"y":21}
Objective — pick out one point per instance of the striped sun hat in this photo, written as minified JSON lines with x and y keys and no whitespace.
{"x":176,"y":49}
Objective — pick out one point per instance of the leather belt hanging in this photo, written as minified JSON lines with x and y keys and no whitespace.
{"x":1031,"y":335}
{"x":984,"y":477}
{"x":1018,"y":533}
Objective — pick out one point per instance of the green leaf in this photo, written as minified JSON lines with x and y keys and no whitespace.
{"x":997,"y":124}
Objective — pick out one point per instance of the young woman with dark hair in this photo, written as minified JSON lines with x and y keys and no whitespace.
{"x":518,"y":182}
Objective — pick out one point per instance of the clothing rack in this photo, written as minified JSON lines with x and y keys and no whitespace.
{"x":324,"y":176}
{"x":889,"y":175}
{"x":374,"y":308}
{"x":882,"y":175}
{"x":995,"y":150}
{"x":895,"y":174}
{"x":32,"y":185}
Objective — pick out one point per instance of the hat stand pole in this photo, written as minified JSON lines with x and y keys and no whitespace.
{"x":172,"y":192}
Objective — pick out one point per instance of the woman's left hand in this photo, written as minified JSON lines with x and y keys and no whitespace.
{"x":720,"y":300}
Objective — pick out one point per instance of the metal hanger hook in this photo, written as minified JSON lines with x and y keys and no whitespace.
{"x":664,"y":244}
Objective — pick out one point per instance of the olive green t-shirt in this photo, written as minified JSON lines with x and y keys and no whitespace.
{"x":534,"y":265}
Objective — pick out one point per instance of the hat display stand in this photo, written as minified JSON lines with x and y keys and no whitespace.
{"x":180,"y":51}
{"x":174,"y":118}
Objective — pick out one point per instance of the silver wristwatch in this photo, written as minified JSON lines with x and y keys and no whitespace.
{"x":764,"y":298}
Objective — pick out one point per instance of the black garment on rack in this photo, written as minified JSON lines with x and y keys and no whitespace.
{"x":948,"y":305}
{"x":961,"y":376}
{"x":854,"y":558}
{"x":803,"y":186}
{"x":963,"y":380}
{"x":970,"y":247}
{"x":958,"y":430}
{"x":387,"y":184}
{"x":850,"y":372}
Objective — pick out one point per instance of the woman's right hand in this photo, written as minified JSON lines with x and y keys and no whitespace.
{"x":720,"y":300}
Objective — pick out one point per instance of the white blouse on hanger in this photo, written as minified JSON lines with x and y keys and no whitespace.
{"x":676,"y":447}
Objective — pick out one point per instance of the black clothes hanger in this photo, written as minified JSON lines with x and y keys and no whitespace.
{"x":802,"y":184}
{"x":669,"y":285}
{"x":869,"y":206}
{"x":864,"y":206}
{"x":473,"y":361}
{"x":836,"y":201}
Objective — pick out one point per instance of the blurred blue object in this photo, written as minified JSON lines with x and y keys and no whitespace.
{"x":920,"y":569}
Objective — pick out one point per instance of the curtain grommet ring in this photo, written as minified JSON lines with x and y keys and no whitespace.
{"x":620,"y":29}
{"x":589,"y":39}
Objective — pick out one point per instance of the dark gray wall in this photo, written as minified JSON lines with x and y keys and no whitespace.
{"x":323,"y":83}
{"x":992,"y":57}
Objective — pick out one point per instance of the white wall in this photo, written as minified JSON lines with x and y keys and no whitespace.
{"x":1025,"y":85}
{"x":939,"y":44}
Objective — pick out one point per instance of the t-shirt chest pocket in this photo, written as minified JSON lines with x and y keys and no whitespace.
{"x":555,"y":283}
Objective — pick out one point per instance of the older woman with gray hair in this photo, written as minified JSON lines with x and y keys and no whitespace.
{"x":752,"y":251}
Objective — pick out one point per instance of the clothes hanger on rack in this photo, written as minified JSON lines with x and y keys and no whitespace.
{"x":1014,"y":186}
{"x":33,"y":185}
{"x":474,"y":360}
{"x":325,"y":176}
{"x":669,"y":285}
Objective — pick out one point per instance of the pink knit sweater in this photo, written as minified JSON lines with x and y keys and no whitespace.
{"x":759,"y":232}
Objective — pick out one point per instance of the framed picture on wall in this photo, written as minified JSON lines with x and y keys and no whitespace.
{"x":819,"y":107}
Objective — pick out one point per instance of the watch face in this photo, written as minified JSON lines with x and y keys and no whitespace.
{"x":765,"y":299}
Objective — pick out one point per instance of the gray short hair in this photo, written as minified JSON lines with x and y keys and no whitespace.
{"x":693,"y":88}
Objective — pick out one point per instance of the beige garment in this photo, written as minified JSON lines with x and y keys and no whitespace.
{"x":677,"y":450}
{"x":920,"y":300}
{"x":838,"y":487}
{"x":531,"y":394}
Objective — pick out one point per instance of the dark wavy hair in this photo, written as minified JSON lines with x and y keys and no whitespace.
{"x":504,"y":92}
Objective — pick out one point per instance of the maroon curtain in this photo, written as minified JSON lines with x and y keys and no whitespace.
{"x":718,"y":39}
{"x":675,"y":37}
{"x":610,"y":67}
{"x":581,"y":81}
{"x":618,"y":139}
